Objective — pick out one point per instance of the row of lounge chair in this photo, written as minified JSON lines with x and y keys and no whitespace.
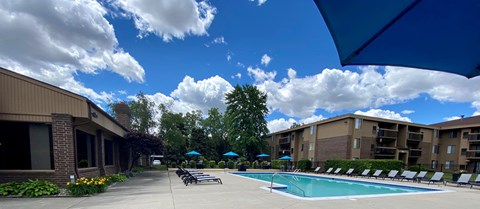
{"x":191,"y":176}
{"x":393,"y":175}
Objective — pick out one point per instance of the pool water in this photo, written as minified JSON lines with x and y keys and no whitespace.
{"x":316,"y":186}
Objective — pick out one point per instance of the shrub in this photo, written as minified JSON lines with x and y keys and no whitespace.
{"x":137,"y":170}
{"x":360,"y":165}
{"x":88,"y":186}
{"x":247,"y":164}
{"x":212,"y":164}
{"x":263,"y":164}
{"x":117,"y":178}
{"x":304,"y":164}
{"x":192,"y":164}
{"x":184,"y":165}
{"x":160,"y":167}
{"x":230,"y":164}
{"x":30,"y":188}
{"x":173,"y":165}
{"x":277,"y":164}
{"x":417,"y":168}
{"x":221,"y":164}
{"x":83,"y":163}
{"x":255,"y":164}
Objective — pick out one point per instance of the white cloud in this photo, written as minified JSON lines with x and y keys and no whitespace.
{"x":67,"y":37}
{"x":451,"y":118}
{"x":259,"y":75}
{"x":280,"y":124}
{"x":238,"y":75}
{"x":335,"y":90}
{"x":219,"y":40}
{"x":169,"y":18}
{"x":240,"y":65}
{"x":122,"y":92}
{"x":406,"y":112}
{"x":260,"y":2}
{"x":312,"y":119}
{"x":383,"y":114}
{"x":266,"y":59}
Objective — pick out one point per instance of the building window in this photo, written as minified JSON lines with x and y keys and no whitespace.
{"x":465,"y":135}
{"x":108,"y":152}
{"x":452,"y":134}
{"x":434,"y":164}
{"x":355,"y":158}
{"x":311,"y":146}
{"x":436,"y":133}
{"x":451,"y":149}
{"x":358,"y":123}
{"x":435,"y":149}
{"x":464,"y":152}
{"x":356,"y":143}
{"x":86,"y":150}
{"x":302,"y":148}
{"x":312,"y":130}
{"x":449,"y":165}
{"x":374,"y":130}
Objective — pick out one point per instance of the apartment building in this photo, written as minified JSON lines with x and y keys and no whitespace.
{"x":451,"y":145}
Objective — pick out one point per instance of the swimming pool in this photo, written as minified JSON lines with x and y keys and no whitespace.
{"x":317,"y":187}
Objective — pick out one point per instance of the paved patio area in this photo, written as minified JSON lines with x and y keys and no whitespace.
{"x":154,"y":189}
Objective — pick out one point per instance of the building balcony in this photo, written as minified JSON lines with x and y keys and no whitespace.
{"x":283,"y":153}
{"x":413,"y":136}
{"x":284,"y":140}
{"x":474,"y":137}
{"x":473,"y":154}
{"x":385,"y":151}
{"x":414,"y":153}
{"x":384,"y":133}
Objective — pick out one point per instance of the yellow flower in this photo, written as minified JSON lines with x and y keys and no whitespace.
{"x":68,"y":183}
{"x":76,"y":183}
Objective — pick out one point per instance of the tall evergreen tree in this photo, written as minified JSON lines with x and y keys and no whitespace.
{"x":214,"y":127}
{"x":245,"y":120}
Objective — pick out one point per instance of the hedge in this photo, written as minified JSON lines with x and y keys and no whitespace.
{"x":304,"y":165}
{"x":360,"y":165}
{"x":277,"y":164}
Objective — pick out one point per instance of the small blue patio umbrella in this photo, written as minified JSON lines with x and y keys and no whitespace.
{"x":263,"y":155}
{"x":286,"y":157}
{"x":193,"y":153}
{"x":230,"y":154}
{"x":437,"y":35}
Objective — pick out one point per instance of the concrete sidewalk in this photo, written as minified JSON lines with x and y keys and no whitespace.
{"x":159,"y":189}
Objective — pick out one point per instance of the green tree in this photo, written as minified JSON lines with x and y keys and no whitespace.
{"x":143,"y":113}
{"x":245,"y":120}
{"x":174,"y":132}
{"x":214,"y":127}
{"x":143,"y":144}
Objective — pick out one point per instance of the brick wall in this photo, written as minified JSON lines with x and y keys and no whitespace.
{"x":122,"y":114}
{"x":88,"y":172}
{"x":333,"y":148}
{"x":366,"y":148}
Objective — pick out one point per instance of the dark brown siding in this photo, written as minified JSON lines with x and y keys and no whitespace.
{"x":333,"y":148}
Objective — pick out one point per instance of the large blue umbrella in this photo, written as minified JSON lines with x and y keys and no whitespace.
{"x":263,"y":155}
{"x":440,"y":35}
{"x":286,"y":157}
{"x":193,"y":153}
{"x":230,"y":154}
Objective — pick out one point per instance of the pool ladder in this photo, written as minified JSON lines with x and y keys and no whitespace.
{"x":278,"y":174}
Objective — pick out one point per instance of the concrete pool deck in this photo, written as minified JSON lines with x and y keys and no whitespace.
{"x":154,"y":189}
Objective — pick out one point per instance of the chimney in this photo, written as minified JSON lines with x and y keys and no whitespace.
{"x":123,"y":115}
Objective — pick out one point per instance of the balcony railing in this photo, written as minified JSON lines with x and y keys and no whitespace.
{"x":415,"y":153}
{"x":474,"y":137}
{"x":284,"y":140}
{"x":385,"y":151}
{"x":387,"y":133}
{"x":412,"y":136}
{"x":473,"y":154}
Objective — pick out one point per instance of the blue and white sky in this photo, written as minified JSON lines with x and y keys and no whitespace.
{"x":189,"y":53}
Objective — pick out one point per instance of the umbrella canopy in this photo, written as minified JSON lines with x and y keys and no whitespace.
{"x":231,"y":154}
{"x":193,"y":153}
{"x":286,"y":157}
{"x":263,"y":155}
{"x":430,"y":34}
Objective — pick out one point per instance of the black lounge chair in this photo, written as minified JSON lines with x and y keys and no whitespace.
{"x":349,"y":172}
{"x":437,"y":177}
{"x":365,"y":173}
{"x":402,"y":175}
{"x":475,"y":182}
{"x":464,"y":179}
{"x":317,"y":170}
{"x":391,"y":175}
{"x":420,"y":176}
{"x":197,"y":179}
{"x":411,"y":175}
{"x":376,"y":174}
{"x":329,"y":171}
{"x":338,"y":171}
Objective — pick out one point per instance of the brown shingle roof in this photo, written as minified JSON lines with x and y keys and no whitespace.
{"x":459,"y":122}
